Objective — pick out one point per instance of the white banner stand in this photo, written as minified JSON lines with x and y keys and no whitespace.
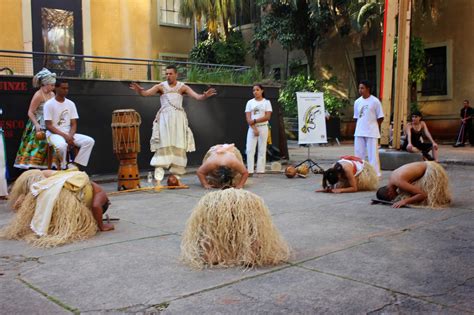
{"x":311,"y":123}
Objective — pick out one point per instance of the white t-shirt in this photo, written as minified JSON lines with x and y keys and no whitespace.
{"x":258,"y":108}
{"x":367,"y":111}
{"x":60,"y":113}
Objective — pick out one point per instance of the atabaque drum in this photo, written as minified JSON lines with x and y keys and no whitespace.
{"x":128,"y":173}
{"x":126,"y":131}
{"x":126,"y":145}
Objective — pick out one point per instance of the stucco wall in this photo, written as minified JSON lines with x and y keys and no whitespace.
{"x":118,"y":28}
{"x":11,"y":37}
{"x":454,"y":25}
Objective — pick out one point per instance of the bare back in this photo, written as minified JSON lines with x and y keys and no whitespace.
{"x":407,"y":173}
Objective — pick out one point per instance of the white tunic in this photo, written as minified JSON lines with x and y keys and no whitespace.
{"x":171,"y":137}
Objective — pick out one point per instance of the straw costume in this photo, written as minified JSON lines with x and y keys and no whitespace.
{"x":54,"y":211}
{"x":364,"y":173}
{"x":232,"y":227}
{"x":435,"y":183}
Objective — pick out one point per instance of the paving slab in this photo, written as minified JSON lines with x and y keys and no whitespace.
{"x":296,"y":291}
{"x":121,"y":275}
{"x":434,"y":262}
{"x":348,"y":256}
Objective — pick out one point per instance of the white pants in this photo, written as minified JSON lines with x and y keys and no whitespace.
{"x":252,"y":141}
{"x":85,"y":144}
{"x":368,"y":146}
{"x":3,"y":168}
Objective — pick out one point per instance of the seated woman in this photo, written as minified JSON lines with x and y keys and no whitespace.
{"x":349,"y":174}
{"x":414,"y":132}
{"x":56,"y":207}
{"x":222,"y":166}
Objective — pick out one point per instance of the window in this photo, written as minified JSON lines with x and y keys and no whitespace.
{"x":169,"y":13}
{"x":436,"y":82}
{"x":367,"y":71}
{"x":247,"y":12}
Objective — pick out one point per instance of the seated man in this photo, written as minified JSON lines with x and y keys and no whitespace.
{"x":423,"y":183}
{"x":56,"y":207}
{"x":222,"y":166}
{"x":60,"y":115}
{"x":349,"y":174}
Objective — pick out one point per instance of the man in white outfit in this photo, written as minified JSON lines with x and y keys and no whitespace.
{"x":369,"y":115}
{"x":171,"y":137}
{"x":60,"y":115}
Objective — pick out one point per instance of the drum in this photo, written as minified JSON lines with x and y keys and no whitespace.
{"x":128,"y":173}
{"x":126,"y":131}
{"x":126,"y":145}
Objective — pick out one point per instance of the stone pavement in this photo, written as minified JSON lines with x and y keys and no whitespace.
{"x":347,"y":256}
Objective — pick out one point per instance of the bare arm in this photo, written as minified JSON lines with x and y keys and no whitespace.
{"x":417,"y":194}
{"x":428,"y":134}
{"x":408,"y":133}
{"x":142,"y":92}
{"x":265,"y":118}
{"x":242,"y":170}
{"x":51,"y":128}
{"x":35,"y":102}
{"x":73,"y":129}
{"x":201,"y":173}
{"x":251,"y":123}
{"x":200,"y":97}
{"x":98,"y":201}
{"x":350,"y":178}
{"x":379,"y":121}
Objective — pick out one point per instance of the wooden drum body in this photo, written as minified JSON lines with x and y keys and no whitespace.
{"x":126,"y":145}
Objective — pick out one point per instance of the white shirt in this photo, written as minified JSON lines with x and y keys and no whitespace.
{"x":60,"y":114}
{"x":258,"y":108}
{"x":367,"y":111}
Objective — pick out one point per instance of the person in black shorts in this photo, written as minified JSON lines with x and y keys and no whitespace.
{"x":415,"y":130}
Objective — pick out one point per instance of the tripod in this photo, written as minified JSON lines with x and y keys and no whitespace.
{"x":311,"y":163}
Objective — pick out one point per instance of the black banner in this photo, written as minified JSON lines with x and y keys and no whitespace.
{"x":220,"y":119}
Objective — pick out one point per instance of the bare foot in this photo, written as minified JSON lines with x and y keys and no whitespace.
{"x":106,"y":227}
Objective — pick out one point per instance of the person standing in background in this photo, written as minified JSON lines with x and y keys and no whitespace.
{"x":369,"y":115}
{"x":257,"y":113}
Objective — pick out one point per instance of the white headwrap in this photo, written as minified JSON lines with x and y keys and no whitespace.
{"x":44,"y":77}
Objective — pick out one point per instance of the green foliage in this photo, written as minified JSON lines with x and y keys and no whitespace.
{"x":203,"y":52}
{"x":417,"y":64}
{"x":301,"y":83}
{"x":295,"y":25}
{"x":230,"y":51}
{"x":199,"y":74}
{"x":414,"y":107}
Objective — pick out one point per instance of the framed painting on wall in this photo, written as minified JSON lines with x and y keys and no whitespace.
{"x":57,"y":31}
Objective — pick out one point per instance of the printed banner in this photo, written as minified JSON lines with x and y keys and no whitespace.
{"x":311,"y":118}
